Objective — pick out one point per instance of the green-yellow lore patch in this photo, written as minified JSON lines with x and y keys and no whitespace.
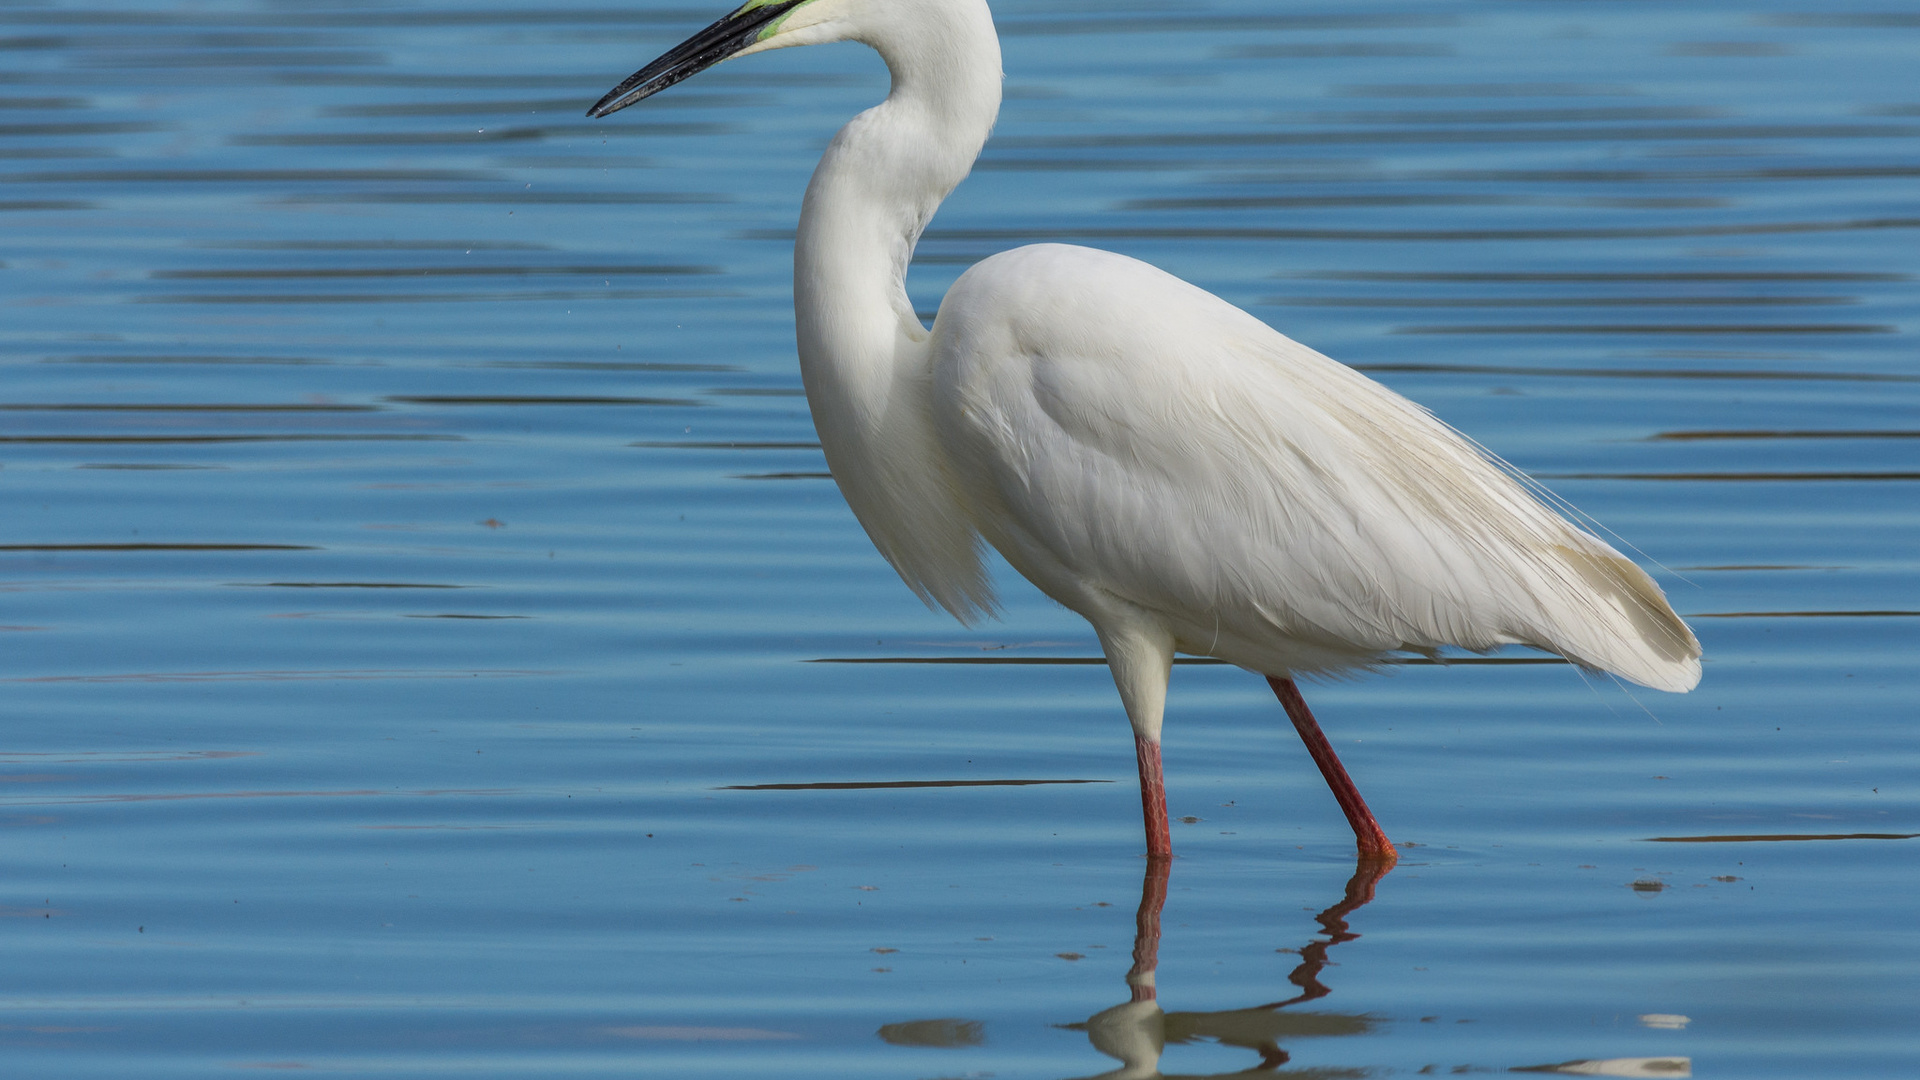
{"x":773,"y":27}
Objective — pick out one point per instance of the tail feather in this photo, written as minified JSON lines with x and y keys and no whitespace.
{"x":1641,"y":638}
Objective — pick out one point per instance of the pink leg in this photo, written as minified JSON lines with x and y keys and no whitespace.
{"x":1153,"y":798}
{"x":1372,"y":839}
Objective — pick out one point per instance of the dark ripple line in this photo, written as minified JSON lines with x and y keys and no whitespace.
{"x":292,"y":17}
{"x":204,"y":59}
{"x":1735,"y":477}
{"x":1467,"y":135}
{"x":175,"y":439}
{"x":117,"y":406}
{"x":1653,"y":328}
{"x":1758,"y":837}
{"x":1512,"y":116}
{"x":568,"y":105}
{"x":248,"y":176}
{"x":1427,"y":90}
{"x":1331,"y":50}
{"x":1298,"y":202}
{"x":1105,"y":22}
{"x":157,"y":547}
{"x":90,"y":127}
{"x":689,"y":444}
{"x":995,"y":163}
{"x":1615,"y":233}
{"x":1635,"y":373}
{"x":85,"y":800}
{"x":557,"y":198}
{"x":274,"y":361}
{"x":495,"y":81}
{"x":1802,"y":614}
{"x":506,"y":399}
{"x":391,"y":138}
{"x":443,"y":138}
{"x":294,"y":675}
{"x":596,"y":365}
{"x":1485,"y":302}
{"x":1842,"y":19}
{"x":44,"y":102}
{"x":1594,"y":276}
{"x":148,"y":466}
{"x":341,"y":585}
{"x":1192,"y":661}
{"x":1785,"y":172}
{"x":884,"y":784}
{"x":1697,"y":436}
{"x":219,"y":38}
{"x":379,"y":245}
{"x":434,"y":298}
{"x":306,"y":274}
{"x":1764,"y":566}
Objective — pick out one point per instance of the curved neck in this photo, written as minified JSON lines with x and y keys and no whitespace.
{"x":875,"y":190}
{"x":864,"y":356}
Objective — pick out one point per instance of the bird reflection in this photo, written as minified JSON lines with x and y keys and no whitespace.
{"x":1137,"y":1031}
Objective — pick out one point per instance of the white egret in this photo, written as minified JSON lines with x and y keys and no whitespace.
{"x":1155,"y":459}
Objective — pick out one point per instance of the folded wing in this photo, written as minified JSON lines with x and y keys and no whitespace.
{"x":1139,"y":435}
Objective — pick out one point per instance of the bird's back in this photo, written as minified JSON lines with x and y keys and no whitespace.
{"x":1122,"y":434}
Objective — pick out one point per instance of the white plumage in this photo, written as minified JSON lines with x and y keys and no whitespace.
{"x":1163,"y":463}
{"x":1130,"y":441}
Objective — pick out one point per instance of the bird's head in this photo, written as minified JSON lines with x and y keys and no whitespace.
{"x":755,"y":26}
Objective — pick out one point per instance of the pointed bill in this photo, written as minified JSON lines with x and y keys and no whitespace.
{"x":735,"y":31}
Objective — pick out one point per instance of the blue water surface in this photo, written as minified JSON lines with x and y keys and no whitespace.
{"x":416,"y":542}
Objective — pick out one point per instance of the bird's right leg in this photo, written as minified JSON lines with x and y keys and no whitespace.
{"x":1140,"y":658}
{"x":1367,"y":833}
{"x":1153,"y":798}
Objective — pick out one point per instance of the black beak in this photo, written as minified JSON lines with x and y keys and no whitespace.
{"x":734,"y":32}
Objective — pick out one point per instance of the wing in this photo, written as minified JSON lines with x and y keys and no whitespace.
{"x":1126,"y":433}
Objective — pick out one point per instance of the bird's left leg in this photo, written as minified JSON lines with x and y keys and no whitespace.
{"x":1367,"y":833}
{"x":1141,"y":658}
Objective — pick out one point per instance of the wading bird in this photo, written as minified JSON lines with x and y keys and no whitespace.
{"x":1159,"y":461}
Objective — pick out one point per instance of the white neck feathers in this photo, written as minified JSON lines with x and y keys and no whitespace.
{"x":863,"y":353}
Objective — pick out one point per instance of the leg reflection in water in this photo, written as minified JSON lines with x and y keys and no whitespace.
{"x":1136,"y":1032}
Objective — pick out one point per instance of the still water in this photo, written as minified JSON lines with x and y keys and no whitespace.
{"x":434,"y":647}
